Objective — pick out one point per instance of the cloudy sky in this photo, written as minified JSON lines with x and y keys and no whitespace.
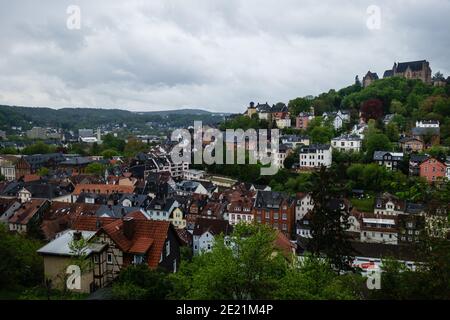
{"x":212,"y":54}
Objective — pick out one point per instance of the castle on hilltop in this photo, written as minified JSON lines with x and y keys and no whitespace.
{"x":410,"y":70}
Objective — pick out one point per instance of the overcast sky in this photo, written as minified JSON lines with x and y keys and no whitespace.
{"x":212,"y":54}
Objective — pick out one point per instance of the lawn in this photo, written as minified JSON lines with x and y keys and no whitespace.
{"x":365,"y":204}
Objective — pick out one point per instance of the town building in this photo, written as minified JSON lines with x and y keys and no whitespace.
{"x":337,"y":118}
{"x":347,"y":143}
{"x":411,"y":144}
{"x":293,"y":141}
{"x":387,"y":204}
{"x":303,"y":119}
{"x":303,"y":205}
{"x":204,"y":233}
{"x":432,"y":170}
{"x":429,"y":135}
{"x":37,"y":133}
{"x":379,"y":229}
{"x":414,"y":163}
{"x":369,"y":78}
{"x":283,"y":121}
{"x":391,"y":160}
{"x":315,"y":156}
{"x":113,"y":244}
{"x":411,"y":70}
{"x":427,"y":124}
{"x":8,"y":167}
{"x":28,"y":216}
{"x":240,"y":211}
{"x":276,"y":209}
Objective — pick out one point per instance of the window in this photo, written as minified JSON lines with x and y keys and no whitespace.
{"x":267,"y":215}
{"x":138,"y":259}
{"x":167,"y":248}
{"x":174,"y":265}
{"x":109,"y":259}
{"x":284,"y":216}
{"x":95,"y":258}
{"x":275,"y":215}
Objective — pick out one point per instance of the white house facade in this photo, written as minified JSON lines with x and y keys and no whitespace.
{"x":315,"y":156}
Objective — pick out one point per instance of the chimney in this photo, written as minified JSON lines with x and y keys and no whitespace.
{"x":128,"y":227}
{"x":76,"y":235}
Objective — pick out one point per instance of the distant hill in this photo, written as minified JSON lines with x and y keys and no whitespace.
{"x":181,"y":111}
{"x":76,"y":118}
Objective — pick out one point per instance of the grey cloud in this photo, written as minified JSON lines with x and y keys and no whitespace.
{"x":148,"y":55}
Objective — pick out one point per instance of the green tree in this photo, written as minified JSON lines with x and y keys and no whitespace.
{"x":96,"y":168}
{"x":298,"y":105}
{"x":398,"y":108}
{"x":39,"y":148}
{"x":392,"y":131}
{"x":329,"y":221}
{"x":376,"y":142}
{"x":43,"y":171}
{"x":139,"y":282}
{"x":20,"y":264}
{"x":322,"y":134}
{"x":109,"y":153}
{"x":245,"y":266}
{"x":314,"y":279}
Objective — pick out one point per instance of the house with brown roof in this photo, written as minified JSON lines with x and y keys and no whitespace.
{"x":205,"y":231}
{"x":411,"y":144}
{"x":240,"y":211}
{"x":113,"y":244}
{"x":134,"y":240}
{"x":100,"y":189}
{"x":60,"y":216}
{"x":59,"y":259}
{"x":28,"y":214}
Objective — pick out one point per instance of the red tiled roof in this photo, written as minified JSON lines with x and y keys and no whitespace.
{"x":26,"y":212}
{"x":91,"y":223}
{"x":144,"y":229}
{"x":31,"y":177}
{"x":136,"y":215}
{"x":102,"y":188}
{"x":282,"y":242}
{"x":141,"y":245}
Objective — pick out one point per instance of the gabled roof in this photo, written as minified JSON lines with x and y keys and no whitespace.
{"x":418,"y":157}
{"x":420,"y":131}
{"x":371,"y":75}
{"x":413,"y":65}
{"x":91,"y":223}
{"x":212,"y":226}
{"x":61,"y":245}
{"x":271,"y":199}
{"x":395,"y":156}
{"x":148,"y":237}
{"x":26,"y":212}
{"x":388,"y":73}
{"x":314,"y":147}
